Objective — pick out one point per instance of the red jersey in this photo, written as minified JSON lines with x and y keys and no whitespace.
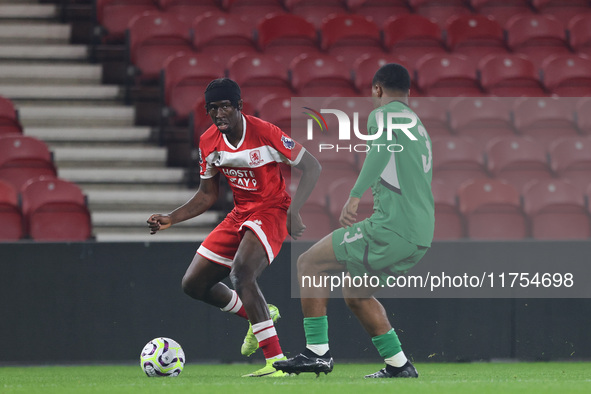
{"x":251,"y":167}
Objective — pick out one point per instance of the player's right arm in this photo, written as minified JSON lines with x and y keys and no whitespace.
{"x":206,"y":196}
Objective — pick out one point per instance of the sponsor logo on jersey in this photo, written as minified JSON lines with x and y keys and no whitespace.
{"x":255,"y":158}
{"x":243,"y":179}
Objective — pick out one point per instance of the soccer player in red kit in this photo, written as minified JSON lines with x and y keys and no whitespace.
{"x":248,"y":152}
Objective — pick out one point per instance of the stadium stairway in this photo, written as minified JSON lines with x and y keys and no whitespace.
{"x":62,"y":101}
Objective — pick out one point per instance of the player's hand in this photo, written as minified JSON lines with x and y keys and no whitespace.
{"x":349,"y":212}
{"x":158,"y":222}
{"x":295,"y":226}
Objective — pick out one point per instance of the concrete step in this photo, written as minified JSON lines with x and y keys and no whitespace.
{"x":114,"y":156}
{"x":123,"y":135}
{"x":28,"y":11}
{"x":50,"y":73}
{"x":60,"y":92}
{"x":138,"y":219}
{"x":160,"y":200}
{"x":43,"y":52}
{"x":170,"y":235}
{"x":136,"y":176}
{"x":54,"y":116}
{"x":17,"y":33}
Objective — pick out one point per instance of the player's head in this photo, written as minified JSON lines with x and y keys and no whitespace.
{"x":391,"y":80}
{"x":223,"y":103}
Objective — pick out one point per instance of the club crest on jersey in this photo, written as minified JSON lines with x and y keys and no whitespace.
{"x":255,"y":158}
{"x":287,"y":142}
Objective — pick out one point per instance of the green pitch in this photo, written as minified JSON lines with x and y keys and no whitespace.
{"x":568,"y":377}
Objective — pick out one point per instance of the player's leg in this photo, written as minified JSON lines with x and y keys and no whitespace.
{"x":250,"y":261}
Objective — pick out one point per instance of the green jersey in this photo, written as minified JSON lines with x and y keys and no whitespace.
{"x":399,"y":172}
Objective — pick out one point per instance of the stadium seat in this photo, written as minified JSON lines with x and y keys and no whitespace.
{"x":501,"y":10}
{"x":287,"y":36}
{"x":277,"y":110}
{"x":510,"y":76}
{"x":556,"y":210}
{"x":378,"y":10}
{"x":481,"y":119}
{"x":23,"y":158}
{"x":492,"y":210}
{"x":349,"y":37}
{"x":439,"y":10}
{"x":563,"y":10}
{"x":114,"y":16}
{"x":185,"y":77}
{"x":447,"y":76}
{"x":223,"y":37}
{"x":255,"y":11}
{"x":517,"y":161}
{"x":579,"y":28}
{"x":457,"y":160}
{"x":545,"y":119}
{"x":316,"y":12}
{"x":338,"y":194}
{"x":583,"y":108}
{"x":475,"y":36}
{"x":321,"y":76}
{"x":413,"y":36}
{"x":570,"y":159}
{"x":10,"y":213}
{"x":433,"y":114}
{"x":567,"y":75}
{"x":259,"y":75}
{"x":55,"y":210}
{"x":536,"y":36}
{"x":9,"y":121}
{"x":154,"y":37}
{"x":448,"y":221}
{"x":366,"y":66}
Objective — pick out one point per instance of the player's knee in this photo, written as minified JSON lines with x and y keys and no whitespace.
{"x":191,"y":288}
{"x":354,"y":303}
{"x":242,"y":277}
{"x":305,"y":264}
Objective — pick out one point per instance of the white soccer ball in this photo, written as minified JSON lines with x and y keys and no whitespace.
{"x":162,"y":357}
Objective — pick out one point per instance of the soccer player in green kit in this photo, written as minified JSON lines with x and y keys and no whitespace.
{"x":388,"y":243}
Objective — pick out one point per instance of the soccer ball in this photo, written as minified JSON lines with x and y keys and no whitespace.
{"x":162,"y":357}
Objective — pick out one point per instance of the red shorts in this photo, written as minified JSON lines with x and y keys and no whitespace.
{"x":269,"y":225}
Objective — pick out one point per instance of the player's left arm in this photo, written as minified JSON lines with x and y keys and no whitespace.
{"x":310,"y":168}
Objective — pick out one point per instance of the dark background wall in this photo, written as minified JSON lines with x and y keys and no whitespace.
{"x":101,"y":302}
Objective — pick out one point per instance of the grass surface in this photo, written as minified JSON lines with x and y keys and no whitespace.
{"x":568,"y":377}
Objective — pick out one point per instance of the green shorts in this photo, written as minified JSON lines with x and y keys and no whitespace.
{"x":367,"y":248}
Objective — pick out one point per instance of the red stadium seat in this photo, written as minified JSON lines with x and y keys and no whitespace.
{"x":448,"y":221}
{"x":481,"y":119}
{"x":567,"y":75}
{"x":9,"y":122}
{"x":259,"y":75}
{"x":114,"y":16}
{"x":475,"y":36}
{"x":321,"y":76}
{"x":189,"y":10}
{"x":55,"y":210}
{"x":287,"y":36}
{"x":545,"y":119}
{"x":315,"y":12}
{"x":457,"y":160}
{"x":563,"y":10}
{"x":185,"y":77}
{"x":378,"y":10}
{"x":579,"y":28}
{"x":517,"y":161}
{"x":349,"y":37}
{"x":447,"y":76}
{"x":510,"y":76}
{"x":277,"y":110}
{"x":10,"y":213}
{"x":492,"y":210}
{"x":439,"y":10}
{"x":23,"y":158}
{"x":413,"y":36}
{"x":537,"y":36}
{"x":154,"y":37}
{"x":584,"y":115}
{"x":556,"y":210}
{"x":501,"y":10}
{"x":366,"y":66}
{"x":433,"y":114}
{"x":570,"y":158}
{"x":223,"y":37}
{"x":338,"y":194}
{"x":256,"y":11}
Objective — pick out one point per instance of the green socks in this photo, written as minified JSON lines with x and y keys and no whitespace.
{"x":387,"y":344}
{"x":316,"y":329}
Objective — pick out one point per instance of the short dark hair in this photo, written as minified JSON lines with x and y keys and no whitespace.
{"x":392,"y":76}
{"x":223,"y":89}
